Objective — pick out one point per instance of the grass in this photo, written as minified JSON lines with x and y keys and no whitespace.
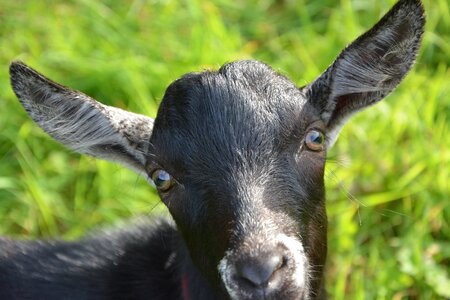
{"x":387,"y":177}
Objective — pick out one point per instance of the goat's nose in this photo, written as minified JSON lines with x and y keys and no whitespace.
{"x":259,"y":272}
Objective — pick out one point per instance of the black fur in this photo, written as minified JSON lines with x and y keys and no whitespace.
{"x":144,"y":261}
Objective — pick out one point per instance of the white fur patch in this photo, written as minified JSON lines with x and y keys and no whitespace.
{"x":226,"y":270}
{"x":297,"y":251}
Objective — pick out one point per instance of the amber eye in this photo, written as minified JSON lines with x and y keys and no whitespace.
{"x":163,"y":181}
{"x":315,"y":140}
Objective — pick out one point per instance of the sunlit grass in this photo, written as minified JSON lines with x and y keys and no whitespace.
{"x":387,"y":176}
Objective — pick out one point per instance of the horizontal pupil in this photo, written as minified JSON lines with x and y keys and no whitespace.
{"x":161,"y":178}
{"x":316,"y":137}
{"x":159,"y":181}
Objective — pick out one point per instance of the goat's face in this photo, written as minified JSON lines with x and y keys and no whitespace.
{"x":246,"y":153}
{"x":238,"y":155}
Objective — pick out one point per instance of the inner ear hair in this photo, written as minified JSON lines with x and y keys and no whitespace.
{"x":369,"y":68}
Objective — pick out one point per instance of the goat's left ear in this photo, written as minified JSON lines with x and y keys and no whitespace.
{"x":369,"y":68}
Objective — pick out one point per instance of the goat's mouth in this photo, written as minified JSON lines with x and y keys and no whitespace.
{"x":276,"y":270}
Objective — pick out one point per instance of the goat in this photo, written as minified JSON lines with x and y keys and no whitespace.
{"x":237,"y":155}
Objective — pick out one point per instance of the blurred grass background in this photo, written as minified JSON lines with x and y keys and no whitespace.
{"x":387,"y":176}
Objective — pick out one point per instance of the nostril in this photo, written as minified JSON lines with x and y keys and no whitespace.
{"x":258,"y":272}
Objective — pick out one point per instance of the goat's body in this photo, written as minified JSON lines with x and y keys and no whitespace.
{"x":145,"y":261}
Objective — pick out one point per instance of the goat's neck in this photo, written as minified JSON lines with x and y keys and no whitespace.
{"x":192,"y":283}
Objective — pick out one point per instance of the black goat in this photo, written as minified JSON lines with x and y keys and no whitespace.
{"x":237,"y":156}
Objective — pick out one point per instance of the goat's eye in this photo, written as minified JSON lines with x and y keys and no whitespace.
{"x":163,"y":181}
{"x":315,"y":140}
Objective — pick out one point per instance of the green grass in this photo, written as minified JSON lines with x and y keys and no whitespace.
{"x":387,"y":177}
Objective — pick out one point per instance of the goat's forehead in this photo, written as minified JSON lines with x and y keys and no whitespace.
{"x":245,"y":107}
{"x":242,"y":93}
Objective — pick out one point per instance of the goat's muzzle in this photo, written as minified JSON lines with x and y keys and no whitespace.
{"x":274,"y":270}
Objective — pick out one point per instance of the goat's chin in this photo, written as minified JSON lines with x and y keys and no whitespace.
{"x":296,"y":294}
{"x":288,"y":292}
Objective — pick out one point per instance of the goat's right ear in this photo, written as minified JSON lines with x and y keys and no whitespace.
{"x":369,"y":68}
{"x":81,"y":123}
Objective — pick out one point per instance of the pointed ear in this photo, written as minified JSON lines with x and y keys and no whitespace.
{"x":369,"y":68}
{"x":81,"y":123}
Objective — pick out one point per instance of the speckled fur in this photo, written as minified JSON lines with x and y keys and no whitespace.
{"x":81,"y":123}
